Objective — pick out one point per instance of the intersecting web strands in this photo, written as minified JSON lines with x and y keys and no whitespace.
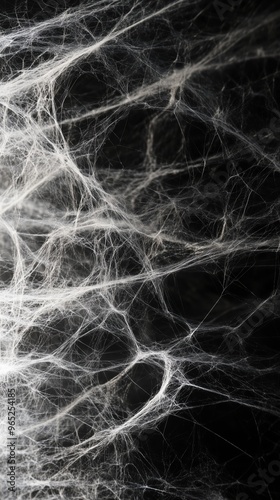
{"x":139,"y":244}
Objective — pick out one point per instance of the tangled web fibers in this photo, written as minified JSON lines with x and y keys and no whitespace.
{"x":139,"y":239}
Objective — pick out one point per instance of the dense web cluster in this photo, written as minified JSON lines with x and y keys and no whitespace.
{"x":139,"y":244}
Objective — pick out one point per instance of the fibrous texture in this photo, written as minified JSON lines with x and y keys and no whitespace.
{"x":139,"y":239}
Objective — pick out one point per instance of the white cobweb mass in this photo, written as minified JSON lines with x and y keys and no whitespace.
{"x":139,"y":248}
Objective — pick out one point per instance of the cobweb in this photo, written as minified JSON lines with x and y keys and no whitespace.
{"x":139,"y":243}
